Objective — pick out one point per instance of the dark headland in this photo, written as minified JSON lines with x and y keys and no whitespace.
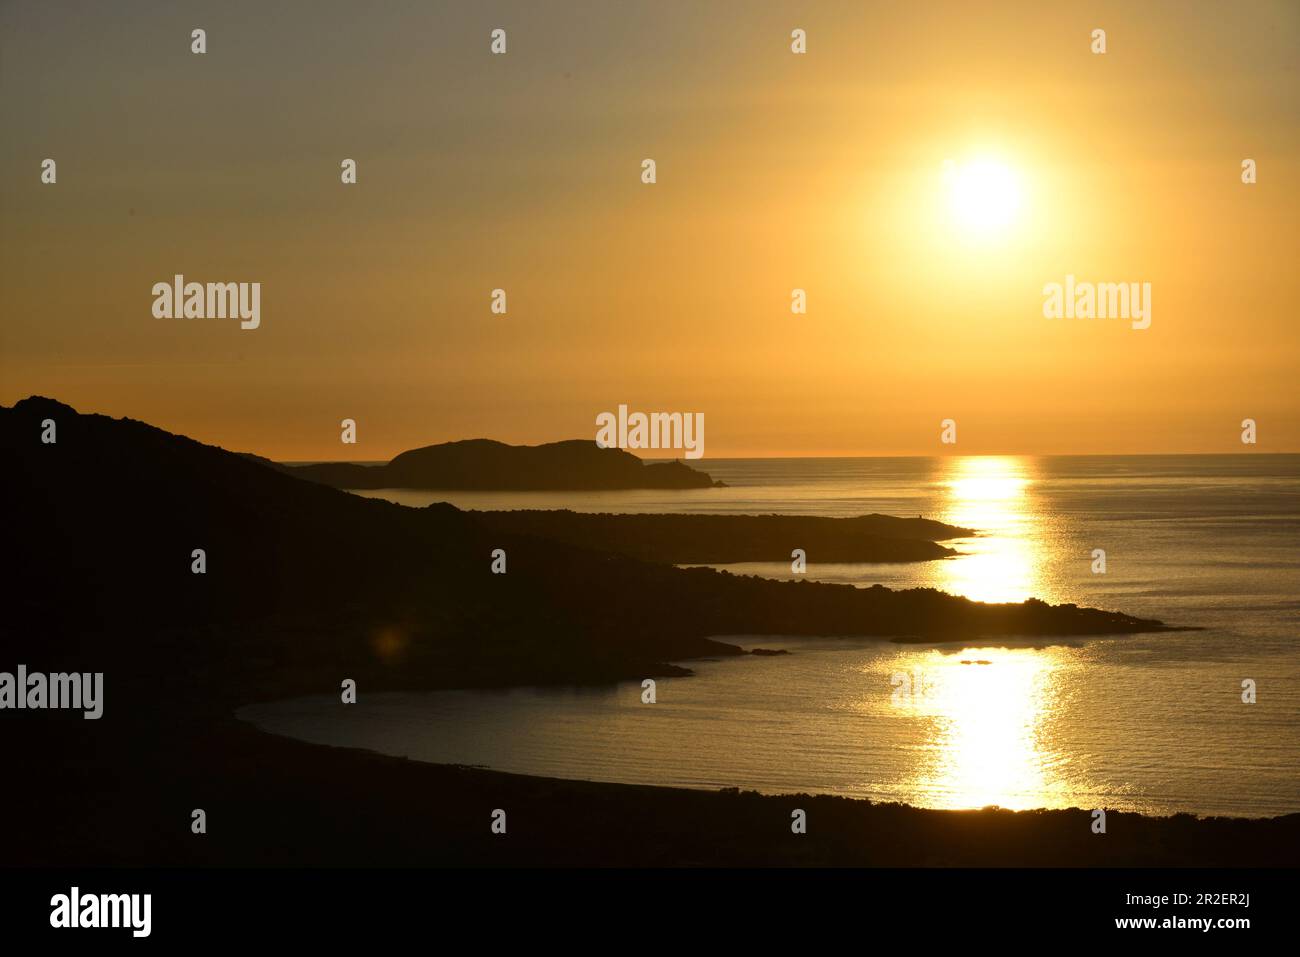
{"x":722,"y":539}
{"x":485,"y":465}
{"x":307,"y":585}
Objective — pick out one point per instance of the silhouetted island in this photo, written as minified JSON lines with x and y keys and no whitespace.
{"x":485,"y":465}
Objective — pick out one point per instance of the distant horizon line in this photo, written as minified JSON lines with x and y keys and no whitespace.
{"x":839,"y":456}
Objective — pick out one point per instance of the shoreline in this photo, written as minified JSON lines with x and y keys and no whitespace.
{"x":744,"y":645}
{"x":277,"y":801}
{"x":736,"y":789}
{"x":274,"y":801}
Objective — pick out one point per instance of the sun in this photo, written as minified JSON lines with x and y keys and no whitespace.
{"x":984,"y":195}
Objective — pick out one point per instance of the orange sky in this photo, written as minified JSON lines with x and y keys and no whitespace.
{"x":823,"y":171}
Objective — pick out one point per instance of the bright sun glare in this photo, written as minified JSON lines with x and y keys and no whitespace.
{"x":984,"y":195}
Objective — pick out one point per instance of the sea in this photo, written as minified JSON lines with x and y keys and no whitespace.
{"x":1203,"y":721}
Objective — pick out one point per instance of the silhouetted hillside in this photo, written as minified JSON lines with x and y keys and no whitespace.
{"x":482,"y":464}
{"x":304,"y":581}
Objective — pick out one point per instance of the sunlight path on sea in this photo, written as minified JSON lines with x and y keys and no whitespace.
{"x":984,"y":717}
{"x":992,"y":494}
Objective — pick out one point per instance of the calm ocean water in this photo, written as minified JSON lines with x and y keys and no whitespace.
{"x":1153,"y":723}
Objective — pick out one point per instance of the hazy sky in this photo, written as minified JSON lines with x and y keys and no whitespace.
{"x":823,"y":171}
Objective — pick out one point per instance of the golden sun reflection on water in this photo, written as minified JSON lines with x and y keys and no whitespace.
{"x":992,"y":495}
{"x":987,"y":730}
{"x":986,"y":711}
